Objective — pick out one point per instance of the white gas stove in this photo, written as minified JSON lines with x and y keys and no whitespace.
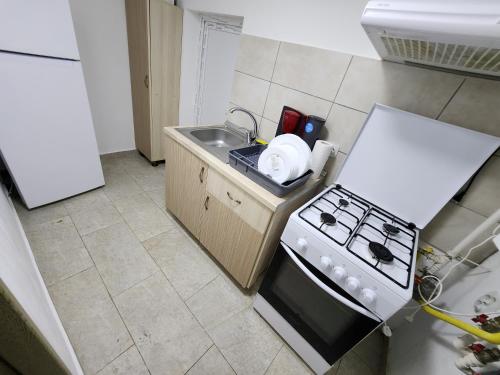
{"x":367,"y":251}
{"x":346,"y":259}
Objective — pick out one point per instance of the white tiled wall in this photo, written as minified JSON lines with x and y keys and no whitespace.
{"x":342,"y":88}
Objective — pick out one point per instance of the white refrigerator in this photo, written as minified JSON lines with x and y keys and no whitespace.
{"x":47,"y":138}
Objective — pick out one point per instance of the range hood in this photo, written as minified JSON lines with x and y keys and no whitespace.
{"x":459,"y":35}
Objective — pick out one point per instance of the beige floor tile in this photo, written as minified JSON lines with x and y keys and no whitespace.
{"x":128,"y":363}
{"x":158,"y":196}
{"x":88,"y":221}
{"x":90,"y":319}
{"x":144,"y":217}
{"x":119,"y":257}
{"x":217,"y":302}
{"x":35,"y":216}
{"x":212,"y":363}
{"x":86,"y":201}
{"x":186,"y":266}
{"x":287,"y":362}
{"x":58,"y":249}
{"x":120,"y":185}
{"x":150,"y":181}
{"x":166,"y":333}
{"x":247,"y":342}
{"x":351,"y":364}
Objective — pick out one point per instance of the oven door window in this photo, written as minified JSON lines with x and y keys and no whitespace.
{"x":330,"y":326}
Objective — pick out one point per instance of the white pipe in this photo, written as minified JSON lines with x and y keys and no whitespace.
{"x":468,"y":241}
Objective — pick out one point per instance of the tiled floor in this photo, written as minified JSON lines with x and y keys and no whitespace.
{"x":137,"y":295}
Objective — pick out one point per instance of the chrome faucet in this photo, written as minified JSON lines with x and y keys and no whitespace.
{"x":251,"y":136}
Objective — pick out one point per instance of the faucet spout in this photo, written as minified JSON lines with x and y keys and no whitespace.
{"x":255,"y":131}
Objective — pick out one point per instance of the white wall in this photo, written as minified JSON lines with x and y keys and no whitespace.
{"x":329,"y":24}
{"x":425,"y":346}
{"x":191,"y":25}
{"x":100,"y":28}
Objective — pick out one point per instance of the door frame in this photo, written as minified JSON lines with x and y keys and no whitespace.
{"x":209,"y":22}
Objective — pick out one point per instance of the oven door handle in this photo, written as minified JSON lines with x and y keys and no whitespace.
{"x":325,"y":288}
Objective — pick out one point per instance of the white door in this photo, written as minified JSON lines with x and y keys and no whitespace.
{"x":47,"y":139}
{"x":38,"y":27}
{"x":20,"y":275}
{"x":218,"y":60}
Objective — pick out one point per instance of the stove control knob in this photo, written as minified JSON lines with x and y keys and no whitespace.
{"x":301,"y":244}
{"x":326,"y":262}
{"x":367,"y":296}
{"x":352,"y":284}
{"x":339,"y":273}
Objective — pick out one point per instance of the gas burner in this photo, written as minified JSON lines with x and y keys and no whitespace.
{"x":343,"y":202}
{"x":390,"y":229}
{"x":380,"y":252}
{"x":327,"y":219}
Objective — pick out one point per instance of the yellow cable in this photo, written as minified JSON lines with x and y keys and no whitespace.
{"x":492,"y":338}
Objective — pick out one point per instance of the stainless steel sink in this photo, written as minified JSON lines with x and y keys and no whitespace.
{"x":217,"y":137}
{"x":218,"y":140}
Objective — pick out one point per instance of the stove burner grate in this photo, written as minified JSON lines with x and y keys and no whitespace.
{"x":390,"y":229}
{"x":380,"y":252}
{"x":327,"y":219}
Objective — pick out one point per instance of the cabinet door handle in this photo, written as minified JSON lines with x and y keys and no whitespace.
{"x":237,"y":201}
{"x":206,"y":203}
{"x":146,"y":81}
{"x":200,"y":176}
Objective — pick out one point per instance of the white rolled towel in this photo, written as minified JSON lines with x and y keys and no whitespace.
{"x":279,"y":162}
{"x":320,"y":154}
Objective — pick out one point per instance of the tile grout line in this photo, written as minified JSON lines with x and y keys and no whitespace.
{"x":110,"y":362}
{"x":451,"y":98}
{"x":199,"y":359}
{"x":113,"y":302}
{"x":274,"y":358}
{"x":343,"y":78}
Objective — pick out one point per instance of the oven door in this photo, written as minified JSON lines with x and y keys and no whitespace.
{"x":321,"y":312}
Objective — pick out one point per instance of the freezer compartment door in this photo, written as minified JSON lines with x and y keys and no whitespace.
{"x":38,"y":27}
{"x":47,"y":138}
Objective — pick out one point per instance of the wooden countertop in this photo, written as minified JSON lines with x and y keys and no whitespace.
{"x":265,"y":197}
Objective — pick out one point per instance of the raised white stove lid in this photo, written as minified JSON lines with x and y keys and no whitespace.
{"x":411,"y":165}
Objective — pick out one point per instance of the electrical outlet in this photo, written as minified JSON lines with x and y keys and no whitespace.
{"x":487,"y":302}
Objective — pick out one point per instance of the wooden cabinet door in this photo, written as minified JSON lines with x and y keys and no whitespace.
{"x":186,"y":179}
{"x":165,"y":40}
{"x":138,"y":46}
{"x":233,"y":226}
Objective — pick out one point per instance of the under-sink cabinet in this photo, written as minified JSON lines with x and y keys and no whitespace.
{"x":237,"y":221}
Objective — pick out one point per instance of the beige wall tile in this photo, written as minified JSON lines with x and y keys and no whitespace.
{"x":249,"y":92}
{"x":267,"y":129}
{"x":239,"y":118}
{"x":257,"y":56}
{"x":450,"y":226}
{"x":476,"y":106}
{"x":343,"y":125}
{"x":315,"y":71}
{"x":333,"y":166}
{"x":280,"y":96}
{"x":412,"y":89}
{"x":484,"y":194}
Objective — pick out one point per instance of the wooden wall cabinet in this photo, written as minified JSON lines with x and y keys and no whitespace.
{"x":236,"y":220}
{"x":154,"y":30}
